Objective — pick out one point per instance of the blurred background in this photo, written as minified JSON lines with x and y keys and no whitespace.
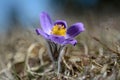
{"x":25,"y":13}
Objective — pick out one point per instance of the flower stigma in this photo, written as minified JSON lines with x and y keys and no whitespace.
{"x":58,"y":30}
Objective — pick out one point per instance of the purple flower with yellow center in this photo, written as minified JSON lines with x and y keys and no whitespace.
{"x":58,"y":32}
{"x":57,"y":35}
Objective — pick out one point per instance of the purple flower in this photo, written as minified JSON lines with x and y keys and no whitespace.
{"x":58,"y":32}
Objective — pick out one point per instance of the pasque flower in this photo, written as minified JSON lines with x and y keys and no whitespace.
{"x":57,"y":35}
{"x":58,"y":32}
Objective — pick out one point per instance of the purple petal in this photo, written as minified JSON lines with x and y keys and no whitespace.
{"x":46,"y":22}
{"x":75,"y":29}
{"x":57,"y":39}
{"x":61,"y":22}
{"x":40,"y":32}
{"x":70,"y":41}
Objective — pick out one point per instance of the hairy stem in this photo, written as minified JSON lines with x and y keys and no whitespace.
{"x":49,"y":47}
{"x":62,"y":51}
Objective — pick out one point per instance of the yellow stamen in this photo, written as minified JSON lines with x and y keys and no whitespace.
{"x":59,"y":30}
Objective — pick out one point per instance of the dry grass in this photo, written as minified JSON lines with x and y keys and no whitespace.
{"x":24,"y":56}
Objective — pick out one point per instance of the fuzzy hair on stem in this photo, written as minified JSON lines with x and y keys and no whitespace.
{"x":55,"y":52}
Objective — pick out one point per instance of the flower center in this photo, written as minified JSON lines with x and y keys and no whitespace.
{"x":59,"y":30}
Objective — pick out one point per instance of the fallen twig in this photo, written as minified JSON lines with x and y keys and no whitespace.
{"x":104,"y":45}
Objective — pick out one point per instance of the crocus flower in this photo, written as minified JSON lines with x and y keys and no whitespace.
{"x":58,"y":31}
{"x":57,"y":35}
